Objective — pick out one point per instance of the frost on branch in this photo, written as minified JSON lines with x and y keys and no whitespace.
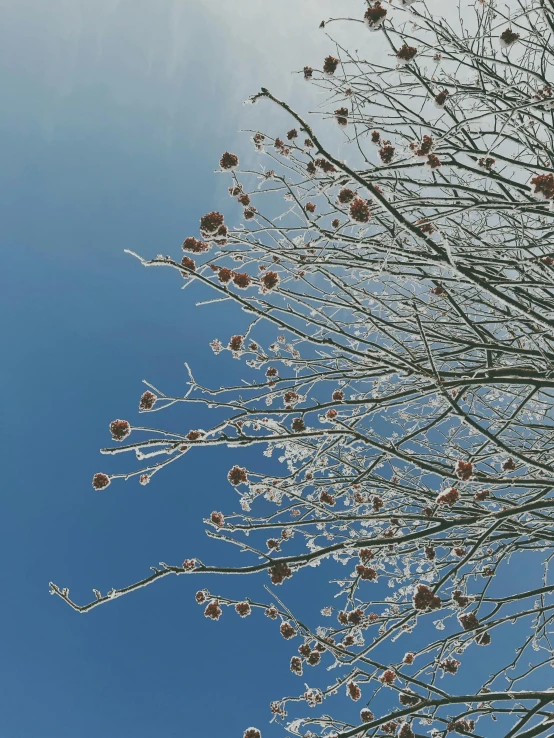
{"x":391,"y":256}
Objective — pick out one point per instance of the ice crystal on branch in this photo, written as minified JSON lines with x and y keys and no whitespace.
{"x":394,"y":317}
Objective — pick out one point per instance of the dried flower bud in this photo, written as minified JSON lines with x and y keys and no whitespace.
{"x":481,"y":495}
{"x":356,"y":616}
{"x":409,"y":699}
{"x":119,"y":429}
{"x":298,"y":425}
{"x":330,"y":65}
{"x":296,"y":665}
{"x":243,"y":609}
{"x":210,"y":223}
{"x":388,"y":677}
{"x":427,"y":228}
{"x":424,"y":148}
{"x":386,"y":152}
{"x":353,"y":691}
{"x":100,"y":481}
{"x":258,"y":140}
{"x":366,"y":573}
{"x":468,"y":621}
{"x":242,"y":280}
{"x":147,"y":401}
{"x":217,"y":519}
{"x":406,"y":732}
{"x":346,"y":195}
{"x":326,"y":498}
{"x":213,"y":610}
{"x":229,"y":161}
{"x":449,"y":666}
{"x":483,"y":639}
{"x":406,"y":53}
{"x":287,"y":631}
{"x":342,"y":116}
{"x":464,"y":470}
{"x":486,"y":163}
{"x":433,"y":161}
{"x":450,"y":497}
{"x":314,"y":658}
{"x":441,"y":98}
{"x":224,"y":275}
{"x":236,"y":342}
{"x":279,"y":572}
{"x":194,"y":245}
{"x":460,"y":599}
{"x":359,"y":211}
{"x":325,"y":165}
{"x":237,"y":475}
{"x":509,"y":465}
{"x":374,"y":16}
{"x":508,"y":37}
{"x":188,"y":263}
{"x":424,"y":599}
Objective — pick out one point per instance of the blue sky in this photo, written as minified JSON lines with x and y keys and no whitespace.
{"x":114,"y":116}
{"x":115,"y":113}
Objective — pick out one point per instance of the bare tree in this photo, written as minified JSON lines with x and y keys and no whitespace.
{"x":401,"y":322}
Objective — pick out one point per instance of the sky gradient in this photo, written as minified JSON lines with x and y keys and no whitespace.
{"x":115,"y":115}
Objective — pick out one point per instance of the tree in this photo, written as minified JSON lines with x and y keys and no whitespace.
{"x":401,"y":315}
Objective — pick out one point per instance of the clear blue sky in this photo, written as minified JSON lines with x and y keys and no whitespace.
{"x":114,"y":115}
